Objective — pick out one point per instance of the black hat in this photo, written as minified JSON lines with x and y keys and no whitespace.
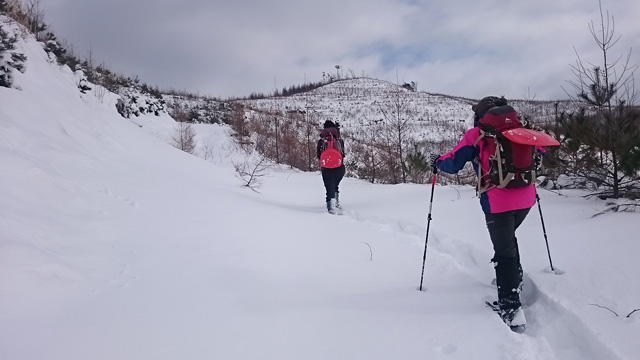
{"x":329,"y":124}
{"x":484,"y":105}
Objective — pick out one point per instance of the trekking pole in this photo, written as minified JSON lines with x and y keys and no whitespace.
{"x":424,"y":257}
{"x":544,"y":230}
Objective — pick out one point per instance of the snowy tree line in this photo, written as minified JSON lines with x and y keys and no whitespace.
{"x":136,"y":97}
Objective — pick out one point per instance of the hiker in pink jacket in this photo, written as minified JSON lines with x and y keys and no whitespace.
{"x":505,"y":208}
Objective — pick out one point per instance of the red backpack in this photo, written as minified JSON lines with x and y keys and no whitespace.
{"x":512,"y":164}
{"x":331,"y":156}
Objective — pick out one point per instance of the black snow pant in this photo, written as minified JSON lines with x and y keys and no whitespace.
{"x":506,"y":259}
{"x":331,"y":179}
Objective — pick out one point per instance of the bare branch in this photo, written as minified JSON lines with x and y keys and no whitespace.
{"x":370,"y":251}
{"x":251,"y":169}
{"x":604,"y":307}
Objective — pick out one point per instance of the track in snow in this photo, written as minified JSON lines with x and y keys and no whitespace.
{"x":550,"y":325}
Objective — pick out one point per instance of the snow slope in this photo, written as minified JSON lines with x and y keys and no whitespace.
{"x":115,"y":245}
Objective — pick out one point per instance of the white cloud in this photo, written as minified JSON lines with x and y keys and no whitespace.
{"x":234,"y":48}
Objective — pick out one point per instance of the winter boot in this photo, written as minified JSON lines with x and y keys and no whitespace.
{"x":514,"y":317}
{"x":508,"y":280}
{"x":338,"y":199}
{"x":509,"y":284}
{"x":331,"y":206}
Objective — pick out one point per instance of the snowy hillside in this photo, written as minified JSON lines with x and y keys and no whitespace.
{"x":358,"y":102}
{"x":115,"y":245}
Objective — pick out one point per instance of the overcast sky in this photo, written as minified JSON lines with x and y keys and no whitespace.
{"x":225,"y":48}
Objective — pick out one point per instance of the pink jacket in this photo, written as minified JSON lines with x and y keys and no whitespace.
{"x":495,"y":200}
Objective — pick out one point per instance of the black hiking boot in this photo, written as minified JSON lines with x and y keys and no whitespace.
{"x":331,"y":207}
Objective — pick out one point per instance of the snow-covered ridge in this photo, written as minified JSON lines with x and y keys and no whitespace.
{"x":360,"y":103}
{"x":354,"y":102}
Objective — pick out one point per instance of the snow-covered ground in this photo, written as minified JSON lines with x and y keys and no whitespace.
{"x":115,"y":245}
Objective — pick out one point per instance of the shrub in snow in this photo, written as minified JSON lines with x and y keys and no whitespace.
{"x":135,"y":102}
{"x":197,"y":110}
{"x":9,"y":59}
{"x":58,"y":52}
{"x":83,"y":84}
{"x":53,"y":49}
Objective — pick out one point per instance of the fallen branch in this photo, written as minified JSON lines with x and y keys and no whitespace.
{"x":632,"y":312}
{"x":615,"y":313}
{"x":370,"y":251}
{"x":613,"y":207}
{"x":604,"y":307}
{"x":251,"y":170}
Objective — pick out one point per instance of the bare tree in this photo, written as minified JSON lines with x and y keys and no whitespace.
{"x":207,"y":150}
{"x":612,"y":81}
{"x":289,"y":145}
{"x":601,"y":136}
{"x":276,"y":126}
{"x":397,"y":114}
{"x":183,"y":137}
{"x":310,"y":129}
{"x":238,"y":121}
{"x":28,"y":13}
{"x":366,"y":151}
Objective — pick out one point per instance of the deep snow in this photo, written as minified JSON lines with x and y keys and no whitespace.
{"x":115,"y":245}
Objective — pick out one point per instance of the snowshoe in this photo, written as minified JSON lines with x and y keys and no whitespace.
{"x":514,"y":318}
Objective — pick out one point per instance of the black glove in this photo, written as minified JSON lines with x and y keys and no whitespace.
{"x":433,"y":158}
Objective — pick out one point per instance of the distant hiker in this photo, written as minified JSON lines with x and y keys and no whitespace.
{"x":506,"y":192}
{"x":331,"y":155}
